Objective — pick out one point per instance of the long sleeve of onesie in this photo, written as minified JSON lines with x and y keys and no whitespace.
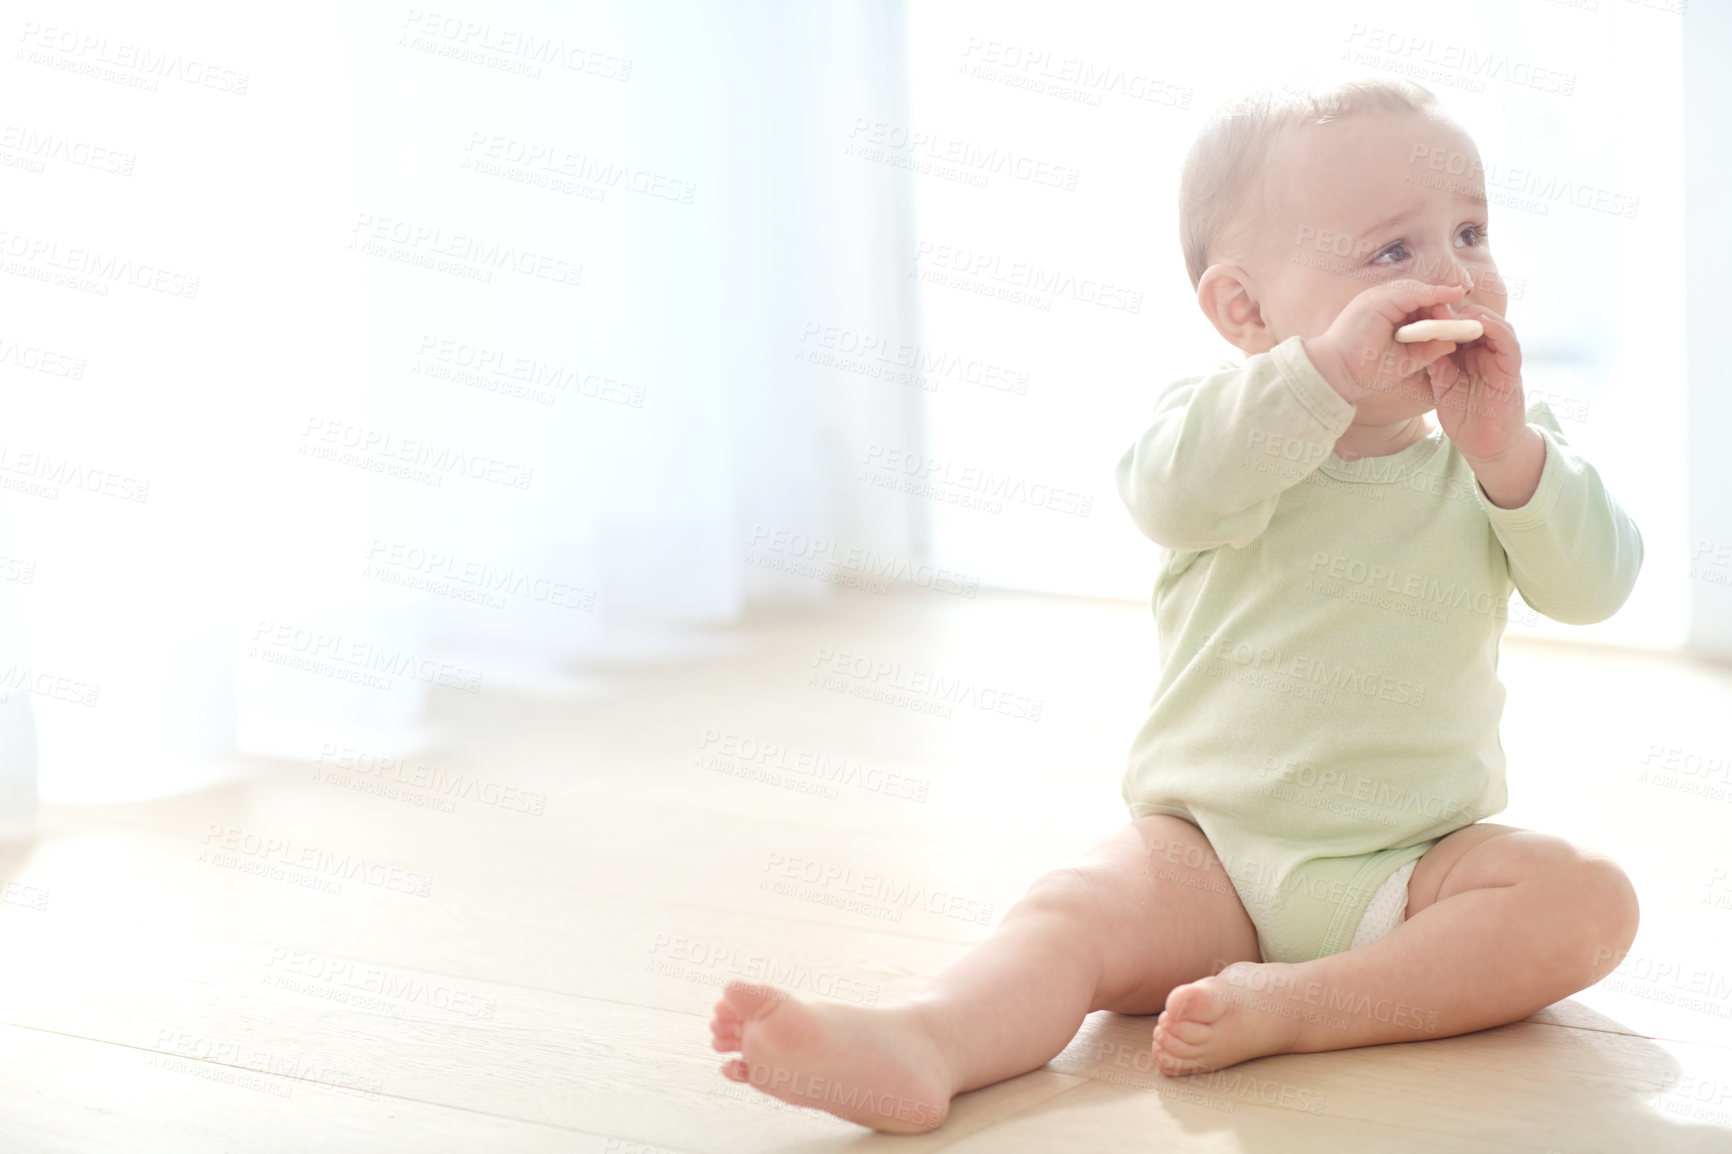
{"x":1573,"y":552}
{"x":1328,"y":700}
{"x":1221,"y":449}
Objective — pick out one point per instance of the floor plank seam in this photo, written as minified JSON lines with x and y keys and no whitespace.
{"x":314,"y":1082}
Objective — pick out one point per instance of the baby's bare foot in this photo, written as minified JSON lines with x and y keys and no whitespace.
{"x":877,"y":1067}
{"x":1223,"y":1020}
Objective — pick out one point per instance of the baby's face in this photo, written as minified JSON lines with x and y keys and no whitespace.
{"x":1370,"y":198}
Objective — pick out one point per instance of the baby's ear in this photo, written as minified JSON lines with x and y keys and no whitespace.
{"x":1228,"y":297}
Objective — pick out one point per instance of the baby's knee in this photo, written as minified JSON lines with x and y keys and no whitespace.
{"x":1073,"y":890}
{"x":1091,"y":900}
{"x":1595,"y":887}
{"x":1609,"y":910}
{"x":1593,"y":898}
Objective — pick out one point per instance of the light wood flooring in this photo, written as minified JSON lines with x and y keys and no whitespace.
{"x":288,"y":963}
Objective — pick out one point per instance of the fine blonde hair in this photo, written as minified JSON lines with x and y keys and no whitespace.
{"x":1220,"y":170}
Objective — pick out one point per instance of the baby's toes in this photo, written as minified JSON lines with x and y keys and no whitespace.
{"x":1192,"y":1002}
{"x":725,"y":1035}
{"x":1174,"y":1046}
{"x":1185,"y":1030}
{"x":1171,"y":1064}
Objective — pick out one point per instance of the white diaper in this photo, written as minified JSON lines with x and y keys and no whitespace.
{"x":1387,"y":909}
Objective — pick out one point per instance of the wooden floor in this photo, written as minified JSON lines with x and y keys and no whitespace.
{"x":294,"y":963}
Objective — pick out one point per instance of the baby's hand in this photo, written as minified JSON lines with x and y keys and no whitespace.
{"x":1359,"y":354}
{"x":1479,"y":389}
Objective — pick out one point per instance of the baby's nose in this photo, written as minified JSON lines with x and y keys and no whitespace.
{"x":1455,"y":274}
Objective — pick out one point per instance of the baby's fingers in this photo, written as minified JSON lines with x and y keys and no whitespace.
{"x":1422,"y":354}
{"x":1401,"y":298}
{"x":1443,"y":373}
{"x":1498,"y":331}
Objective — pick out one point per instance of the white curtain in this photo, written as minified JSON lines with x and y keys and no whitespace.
{"x":386,"y":352}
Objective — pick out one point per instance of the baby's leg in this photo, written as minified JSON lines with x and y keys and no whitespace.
{"x":1146,"y":910}
{"x":1500,"y":922}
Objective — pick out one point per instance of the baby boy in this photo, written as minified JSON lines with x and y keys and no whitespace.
{"x":1306,"y":867}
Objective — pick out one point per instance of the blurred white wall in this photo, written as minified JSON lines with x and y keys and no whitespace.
{"x":374,"y":351}
{"x":1707,"y":302}
{"x":371,"y":352}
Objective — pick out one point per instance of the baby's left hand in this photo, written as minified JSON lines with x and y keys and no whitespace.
{"x":1478,"y":387}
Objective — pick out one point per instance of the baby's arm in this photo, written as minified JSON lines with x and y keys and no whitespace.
{"x":1221,"y":449}
{"x":1573,"y":552}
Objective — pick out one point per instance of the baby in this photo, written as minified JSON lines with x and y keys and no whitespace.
{"x":1323,"y":741}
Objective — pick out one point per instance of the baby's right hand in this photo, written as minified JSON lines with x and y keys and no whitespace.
{"x":1359,"y":354}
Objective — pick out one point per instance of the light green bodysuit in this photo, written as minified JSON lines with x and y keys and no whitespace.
{"x":1328,"y":703}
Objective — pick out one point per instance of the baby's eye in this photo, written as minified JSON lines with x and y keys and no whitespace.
{"x":1479,"y":235}
{"x":1399,"y":246}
